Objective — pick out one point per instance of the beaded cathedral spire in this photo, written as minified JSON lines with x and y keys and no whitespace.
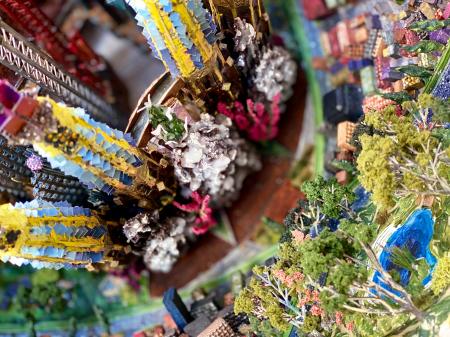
{"x":180,"y":33}
{"x":102,"y":158}
{"x":183,"y":35}
{"x":13,"y":171}
{"x":52,"y":235}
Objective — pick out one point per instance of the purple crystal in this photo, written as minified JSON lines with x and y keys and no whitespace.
{"x":34,"y":163}
{"x":441,"y":35}
{"x":385,"y":68}
{"x":375,"y":22}
{"x":391,"y":75}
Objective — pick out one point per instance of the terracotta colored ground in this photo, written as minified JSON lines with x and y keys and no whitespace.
{"x":265,"y":193}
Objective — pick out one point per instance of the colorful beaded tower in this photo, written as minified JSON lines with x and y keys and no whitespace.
{"x":103,"y":158}
{"x":180,"y":33}
{"x":52,"y":235}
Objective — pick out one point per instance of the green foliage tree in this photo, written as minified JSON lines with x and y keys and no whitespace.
{"x":406,"y":155}
{"x":360,"y":232}
{"x":320,"y":253}
{"x":331,"y":196}
{"x":44,"y":276}
{"x":258,"y":299}
{"x":375,"y":172}
{"x":43,"y":296}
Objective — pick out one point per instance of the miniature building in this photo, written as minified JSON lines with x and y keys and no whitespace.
{"x":344,"y":135}
{"x":218,"y":328}
{"x":233,"y":320}
{"x":197,"y":326}
{"x":343,"y":104}
{"x":176,"y":308}
{"x":204,"y":307}
{"x":344,"y":155}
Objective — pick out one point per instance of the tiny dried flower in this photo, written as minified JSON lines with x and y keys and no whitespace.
{"x":308,"y":295}
{"x":280,"y":275}
{"x":339,"y":316}
{"x":298,"y":236}
{"x":298,"y":276}
{"x":259,"y":123}
{"x":302,"y":302}
{"x":316,"y":310}
{"x":350,"y":326}
{"x":289,"y":281}
{"x":316,"y":295}
{"x":295,"y":277}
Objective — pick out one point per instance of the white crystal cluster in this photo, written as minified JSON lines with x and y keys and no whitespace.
{"x":211,"y":158}
{"x":271,"y":69}
{"x":159,"y":241}
{"x":214,"y":159}
{"x":245,"y":35}
{"x":138,"y":228}
{"x":275,"y":73}
{"x":245,"y":44}
{"x":161,"y":253}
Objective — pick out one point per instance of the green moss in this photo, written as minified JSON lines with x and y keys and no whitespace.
{"x":375,"y":172}
{"x":331,"y":303}
{"x":243,"y":302}
{"x":329,"y":194}
{"x":311,"y":324}
{"x":173,"y":126}
{"x":360,"y":231}
{"x":413,"y":183}
{"x":275,"y":314}
{"x":441,"y":276}
{"x":320,"y":253}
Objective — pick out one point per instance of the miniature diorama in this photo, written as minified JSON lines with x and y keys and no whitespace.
{"x":224,"y":168}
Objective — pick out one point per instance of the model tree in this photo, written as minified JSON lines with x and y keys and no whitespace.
{"x":409,"y":155}
{"x":321,"y":280}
